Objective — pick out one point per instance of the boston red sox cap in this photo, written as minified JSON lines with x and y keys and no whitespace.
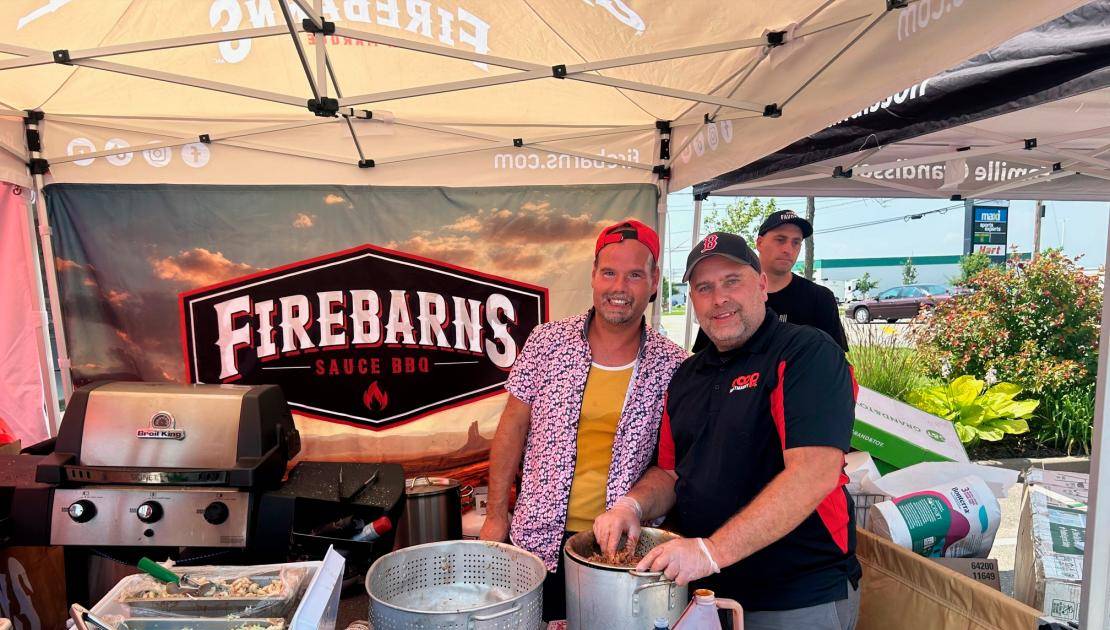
{"x":731,"y":246}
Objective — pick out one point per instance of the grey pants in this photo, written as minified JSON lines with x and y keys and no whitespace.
{"x":839,"y":615}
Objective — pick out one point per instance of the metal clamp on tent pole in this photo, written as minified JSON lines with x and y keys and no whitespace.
{"x":896,"y":4}
{"x":701,"y":196}
{"x":363,"y":114}
{"x":772,"y":111}
{"x":559,"y":71}
{"x":1030,"y":144}
{"x":956,"y":198}
{"x":776,"y":38}
{"x":325,"y":28}
{"x":366,"y":163}
{"x":34,"y":116}
{"x":38,"y":166}
{"x":518,"y":142}
{"x":839,"y":172}
{"x":323,"y":107}
{"x":664,"y":172}
{"x":1057,"y":166}
{"x":61,"y":56}
{"x":205,"y":138}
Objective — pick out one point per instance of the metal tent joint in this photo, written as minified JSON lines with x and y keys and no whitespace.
{"x":664,"y":126}
{"x":518,"y":142}
{"x":366,"y":163}
{"x":839,"y":172}
{"x":324,"y":106}
{"x":61,"y":56}
{"x":772,"y":110}
{"x":776,"y":38}
{"x":559,"y":71}
{"x":663,"y":171}
{"x":956,"y":198}
{"x":1030,"y":144}
{"x":33,"y":116}
{"x":205,"y":138}
{"x":38,"y":166}
{"x":896,"y":4}
{"x":325,"y":28}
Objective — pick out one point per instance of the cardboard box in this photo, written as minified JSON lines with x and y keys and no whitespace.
{"x":1052,"y":533}
{"x":901,"y":435}
{"x":982,"y":570}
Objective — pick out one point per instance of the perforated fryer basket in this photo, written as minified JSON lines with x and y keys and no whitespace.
{"x":456,"y":585}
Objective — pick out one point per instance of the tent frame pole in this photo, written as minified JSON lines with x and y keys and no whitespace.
{"x":33,"y":57}
{"x":695,"y":238}
{"x":46,"y":244}
{"x":44,"y":346}
{"x":1094,"y":599}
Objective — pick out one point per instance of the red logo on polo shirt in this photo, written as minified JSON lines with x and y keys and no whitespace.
{"x":709,"y":243}
{"x":745,"y":382}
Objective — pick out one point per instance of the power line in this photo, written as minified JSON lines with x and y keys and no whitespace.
{"x":905,"y":217}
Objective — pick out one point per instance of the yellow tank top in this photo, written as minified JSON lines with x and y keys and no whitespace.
{"x":602,"y":403}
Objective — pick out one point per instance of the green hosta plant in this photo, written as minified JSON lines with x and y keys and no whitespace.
{"x":978,"y":414}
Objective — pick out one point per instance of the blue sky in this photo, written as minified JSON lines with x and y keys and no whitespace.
{"x":1080,"y":227}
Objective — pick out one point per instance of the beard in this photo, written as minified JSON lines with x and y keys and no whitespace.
{"x":734,"y":334}
{"x":618,"y":315}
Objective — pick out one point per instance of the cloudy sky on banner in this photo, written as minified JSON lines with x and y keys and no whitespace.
{"x":124,"y":260}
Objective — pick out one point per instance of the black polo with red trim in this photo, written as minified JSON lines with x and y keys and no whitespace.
{"x":727,"y":420}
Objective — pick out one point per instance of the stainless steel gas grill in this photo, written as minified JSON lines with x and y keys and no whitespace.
{"x":166,"y":465}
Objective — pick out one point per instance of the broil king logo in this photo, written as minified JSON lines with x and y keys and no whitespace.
{"x":366,"y":336}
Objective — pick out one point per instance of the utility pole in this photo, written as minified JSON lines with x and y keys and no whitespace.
{"x":810,"y":210}
{"x":1037,"y":216}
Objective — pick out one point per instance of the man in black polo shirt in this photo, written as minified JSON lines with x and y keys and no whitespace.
{"x":751,"y":458}
{"x":795,"y":299}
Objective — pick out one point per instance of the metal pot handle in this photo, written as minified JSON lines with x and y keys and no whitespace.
{"x":662,"y":581}
{"x":478,"y":618}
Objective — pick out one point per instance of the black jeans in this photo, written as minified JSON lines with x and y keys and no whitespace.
{"x":555,"y":589}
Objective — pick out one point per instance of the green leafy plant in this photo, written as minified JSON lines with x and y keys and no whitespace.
{"x":971,"y":265}
{"x":884,"y":361}
{"x":742,"y":217}
{"x":909,"y":272}
{"x":865,"y":284}
{"x":978,"y":415}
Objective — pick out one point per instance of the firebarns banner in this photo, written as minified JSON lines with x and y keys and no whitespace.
{"x":389,"y":316}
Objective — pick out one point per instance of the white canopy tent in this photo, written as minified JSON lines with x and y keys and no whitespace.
{"x":449,"y":92}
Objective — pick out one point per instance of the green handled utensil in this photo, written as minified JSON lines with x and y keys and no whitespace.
{"x":177,"y":583}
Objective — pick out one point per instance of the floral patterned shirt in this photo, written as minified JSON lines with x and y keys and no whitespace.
{"x":550,"y":376}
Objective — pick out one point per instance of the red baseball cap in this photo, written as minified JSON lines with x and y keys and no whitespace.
{"x":630,"y":229}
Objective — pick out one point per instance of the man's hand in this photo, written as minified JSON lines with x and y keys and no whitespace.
{"x":683,"y":560}
{"x":623,"y":518}
{"x":496,"y":528}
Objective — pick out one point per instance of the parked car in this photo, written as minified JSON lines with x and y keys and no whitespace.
{"x":904,"y":302}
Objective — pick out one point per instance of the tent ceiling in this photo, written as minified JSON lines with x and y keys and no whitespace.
{"x":182,"y":66}
{"x":1029,"y":119}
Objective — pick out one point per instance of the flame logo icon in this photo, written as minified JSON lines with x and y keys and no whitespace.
{"x":374,"y":398}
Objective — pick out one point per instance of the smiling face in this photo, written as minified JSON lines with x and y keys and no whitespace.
{"x":728,"y":298}
{"x":623,"y":280}
{"x":779,"y":248}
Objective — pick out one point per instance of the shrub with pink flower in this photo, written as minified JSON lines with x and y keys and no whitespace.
{"x":1034,"y":323}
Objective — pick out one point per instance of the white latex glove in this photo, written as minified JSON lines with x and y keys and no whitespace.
{"x":623,"y":518}
{"x":683,"y":560}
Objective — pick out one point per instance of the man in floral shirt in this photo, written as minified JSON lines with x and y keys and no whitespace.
{"x":585,"y":403}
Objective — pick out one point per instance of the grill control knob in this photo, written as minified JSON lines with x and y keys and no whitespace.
{"x":82,"y":511}
{"x":149,"y":512}
{"x":216,"y":512}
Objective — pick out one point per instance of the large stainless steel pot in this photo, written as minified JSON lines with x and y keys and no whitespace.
{"x":456,"y":585}
{"x":606,"y":597}
{"x":433,"y":511}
